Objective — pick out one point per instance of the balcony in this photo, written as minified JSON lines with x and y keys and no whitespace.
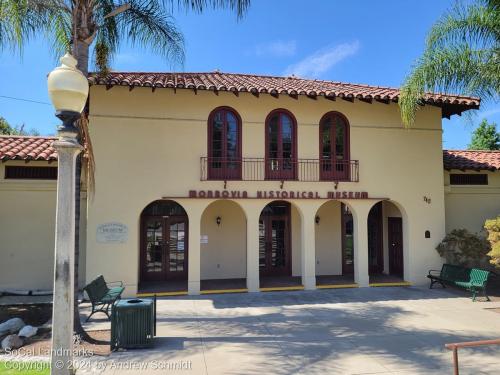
{"x":260,"y":169}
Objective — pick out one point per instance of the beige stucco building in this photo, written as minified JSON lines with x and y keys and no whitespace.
{"x":213,"y":181}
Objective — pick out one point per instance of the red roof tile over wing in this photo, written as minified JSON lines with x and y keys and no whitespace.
{"x":293,"y":86}
{"x":27,"y":148}
{"x":475,"y":160}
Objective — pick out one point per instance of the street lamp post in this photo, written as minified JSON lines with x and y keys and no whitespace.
{"x":68,"y":91}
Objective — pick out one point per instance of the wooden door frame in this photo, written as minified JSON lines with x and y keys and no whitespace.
{"x":328,"y":176}
{"x":143,"y":248}
{"x":279,"y":175}
{"x":215,"y":174}
{"x":389,"y":232}
{"x":288,"y":242}
{"x":380,"y":242}
{"x":345,"y":270}
{"x":184,"y":274}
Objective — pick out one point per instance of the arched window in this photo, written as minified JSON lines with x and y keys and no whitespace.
{"x":224,"y":144}
{"x":334,"y":147}
{"x":281,"y":145}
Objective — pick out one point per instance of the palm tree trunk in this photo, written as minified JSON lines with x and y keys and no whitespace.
{"x":81,"y":53}
{"x":77,"y":324}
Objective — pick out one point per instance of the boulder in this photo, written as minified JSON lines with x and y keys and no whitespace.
{"x":47,"y":327}
{"x":11,"y":326}
{"x":27,"y":331}
{"x":12,"y":342}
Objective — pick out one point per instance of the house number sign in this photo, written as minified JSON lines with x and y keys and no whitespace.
{"x":112,"y":233}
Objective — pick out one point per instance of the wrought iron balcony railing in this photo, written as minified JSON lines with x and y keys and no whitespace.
{"x":260,"y":169}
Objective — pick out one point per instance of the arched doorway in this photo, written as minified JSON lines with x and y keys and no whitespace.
{"x":385,"y":243}
{"x":164,"y":242}
{"x":275,"y":245}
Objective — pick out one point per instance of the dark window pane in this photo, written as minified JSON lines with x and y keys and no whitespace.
{"x":348,"y":235}
{"x":164,"y":208}
{"x":339,"y":139}
{"x":30,"y":173}
{"x":154,"y":242}
{"x":225,"y":144}
{"x":468,"y":179}
{"x":262,"y":245}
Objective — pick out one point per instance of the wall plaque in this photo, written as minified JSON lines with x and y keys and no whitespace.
{"x":112,"y":233}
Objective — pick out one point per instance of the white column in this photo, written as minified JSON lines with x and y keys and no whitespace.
{"x":361,"y":210}
{"x":253,"y":278}
{"x":308,"y":247}
{"x":62,"y":316}
{"x":194,"y":261}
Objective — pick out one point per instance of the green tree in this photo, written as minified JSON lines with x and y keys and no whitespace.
{"x":462,"y":54}
{"x":485,"y":137}
{"x":7,"y":129}
{"x":100,"y":27}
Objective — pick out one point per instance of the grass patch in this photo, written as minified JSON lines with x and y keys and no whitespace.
{"x":24,"y":368}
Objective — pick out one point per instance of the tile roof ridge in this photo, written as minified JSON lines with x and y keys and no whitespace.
{"x":434,"y":96}
{"x":28,"y":136}
{"x":354,"y":84}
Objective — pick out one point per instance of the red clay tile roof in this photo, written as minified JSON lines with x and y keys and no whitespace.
{"x":475,"y":160}
{"x":293,"y":86}
{"x":27,"y":148}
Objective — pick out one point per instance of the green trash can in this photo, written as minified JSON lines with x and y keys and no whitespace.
{"x":133,"y":323}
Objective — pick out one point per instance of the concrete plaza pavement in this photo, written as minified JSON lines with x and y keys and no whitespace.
{"x":399,"y":330}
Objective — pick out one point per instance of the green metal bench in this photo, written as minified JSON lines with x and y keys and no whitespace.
{"x":102,"y":295}
{"x":471,"y":279}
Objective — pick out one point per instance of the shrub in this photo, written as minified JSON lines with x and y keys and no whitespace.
{"x":461,"y":247}
{"x":493,"y":228}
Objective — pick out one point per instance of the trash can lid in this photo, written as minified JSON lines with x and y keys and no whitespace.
{"x":131,"y":302}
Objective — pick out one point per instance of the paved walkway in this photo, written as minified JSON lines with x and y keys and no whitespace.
{"x":349,"y":331}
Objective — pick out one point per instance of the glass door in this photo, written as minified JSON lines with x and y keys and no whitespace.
{"x":347,"y":240}
{"x":274,"y":246}
{"x":165,"y":248}
{"x":334,"y":163}
{"x":177,"y":248}
{"x":154,"y":250}
{"x":224,"y":146}
{"x":281,"y":163}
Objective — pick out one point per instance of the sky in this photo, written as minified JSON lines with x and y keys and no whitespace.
{"x":370,"y":42}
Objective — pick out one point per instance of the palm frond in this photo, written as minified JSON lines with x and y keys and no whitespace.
{"x":59,"y":32}
{"x":147,"y":25}
{"x":458,"y":68}
{"x":462,"y":55}
{"x":88,"y":152}
{"x":238,"y":6}
{"x":478,"y":24}
{"x":19,"y":22}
